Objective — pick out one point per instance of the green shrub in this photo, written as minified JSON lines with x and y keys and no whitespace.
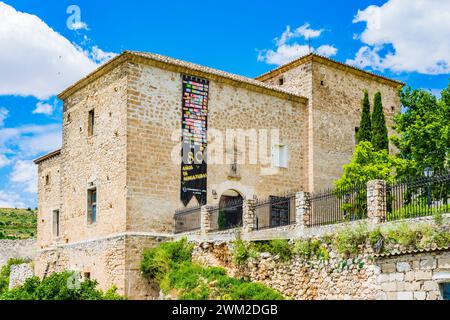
{"x":59,"y":286}
{"x":242,"y":251}
{"x":5,"y":272}
{"x":312,"y":248}
{"x":279,"y":247}
{"x":350,"y":240}
{"x":158,"y":261}
{"x":170,"y":264}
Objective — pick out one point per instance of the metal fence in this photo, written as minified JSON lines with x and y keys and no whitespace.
{"x":227,"y":217}
{"x":338,"y":205}
{"x":187,"y":219}
{"x":276,"y":211}
{"x":418,"y":197}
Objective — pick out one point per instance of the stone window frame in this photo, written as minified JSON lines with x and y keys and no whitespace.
{"x":56,"y":223}
{"x":89,"y":217}
{"x":91,"y":123}
{"x":277,"y":155}
{"x":442,"y":278}
{"x":47,"y":179}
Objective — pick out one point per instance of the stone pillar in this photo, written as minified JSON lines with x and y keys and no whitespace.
{"x":302,"y":209}
{"x":248,"y":215}
{"x":205,"y":219}
{"x":376,"y":201}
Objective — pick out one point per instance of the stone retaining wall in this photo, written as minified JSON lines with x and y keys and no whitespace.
{"x":409,"y":276}
{"x":25,"y":249}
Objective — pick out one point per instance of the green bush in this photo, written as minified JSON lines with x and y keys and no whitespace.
{"x":159,"y":260}
{"x":349,"y":241}
{"x":59,"y":286}
{"x":279,"y":247}
{"x":242,"y":251}
{"x":311,"y":248}
{"x":170,"y":264}
{"x":5,"y":272}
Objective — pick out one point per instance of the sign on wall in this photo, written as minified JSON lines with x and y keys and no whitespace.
{"x":194,"y":127}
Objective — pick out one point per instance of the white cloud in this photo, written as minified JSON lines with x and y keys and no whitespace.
{"x":25,"y":173}
{"x":78,"y":25}
{"x":100,"y":56}
{"x":4,"y":161}
{"x":43,"y":108}
{"x":326,"y":50}
{"x":30,"y":140}
{"x":3,"y":115}
{"x":286,"y":52}
{"x":405,"y":36}
{"x":10,"y":200}
{"x":34,"y":59}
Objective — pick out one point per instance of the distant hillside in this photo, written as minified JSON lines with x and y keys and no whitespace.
{"x":17,"y":223}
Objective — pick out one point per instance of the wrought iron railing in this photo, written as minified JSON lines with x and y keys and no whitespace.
{"x":338,"y":205}
{"x":187,"y":219}
{"x":418,"y":197}
{"x":226,"y":217}
{"x":276,"y":211}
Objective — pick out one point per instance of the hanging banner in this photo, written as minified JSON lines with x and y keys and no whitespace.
{"x":194,"y":139}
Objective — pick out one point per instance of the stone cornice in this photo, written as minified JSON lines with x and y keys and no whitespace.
{"x":180,"y":66}
{"x":48,"y":156}
{"x":329,"y":62}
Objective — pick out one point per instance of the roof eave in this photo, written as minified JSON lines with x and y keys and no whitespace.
{"x":315,"y":57}
{"x":47,"y":156}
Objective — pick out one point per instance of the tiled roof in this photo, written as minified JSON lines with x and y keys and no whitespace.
{"x":416,"y":251}
{"x":47,"y":156}
{"x":313,"y":56}
{"x":182,"y":66}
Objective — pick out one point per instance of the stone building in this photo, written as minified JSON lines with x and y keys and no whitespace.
{"x":115,"y":184}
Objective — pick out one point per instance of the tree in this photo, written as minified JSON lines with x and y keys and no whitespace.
{"x":367,"y":164}
{"x":424,"y":130}
{"x":365,"y":127}
{"x":380,"y":139}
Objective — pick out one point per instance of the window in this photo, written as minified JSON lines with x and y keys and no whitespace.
{"x":281,"y":81}
{"x":280,"y":156}
{"x":445,"y":287}
{"x":92,"y":206}
{"x":56,"y":223}
{"x":91,"y":122}
{"x":87,"y":275}
{"x":47,"y":179}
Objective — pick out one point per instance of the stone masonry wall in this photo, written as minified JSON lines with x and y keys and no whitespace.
{"x":110,"y":261}
{"x":413,"y":276}
{"x":154,"y":123}
{"x":337,"y":96}
{"x":49,"y":199}
{"x":408,"y":276}
{"x":24,"y":249}
{"x":98,"y":160}
{"x":334,"y":112}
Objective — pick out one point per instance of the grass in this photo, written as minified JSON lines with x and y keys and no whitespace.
{"x":17,"y":224}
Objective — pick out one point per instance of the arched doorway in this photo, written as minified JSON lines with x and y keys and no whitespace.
{"x":230,"y":210}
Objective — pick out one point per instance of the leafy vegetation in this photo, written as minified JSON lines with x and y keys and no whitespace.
{"x":5,"y":272}
{"x":369,"y":164}
{"x":311,"y":248}
{"x":424,"y":130}
{"x":17,"y":224}
{"x":170,"y":264}
{"x":60,"y":286}
{"x":380,"y":139}
{"x":348,"y":242}
{"x":365,"y":127}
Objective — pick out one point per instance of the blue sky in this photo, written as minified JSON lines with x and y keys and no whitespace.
{"x":46,"y":45}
